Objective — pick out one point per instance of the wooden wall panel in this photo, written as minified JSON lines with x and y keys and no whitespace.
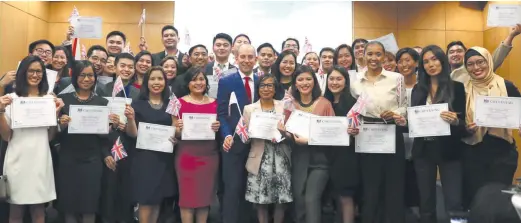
{"x":153,"y":35}
{"x":36,"y":29}
{"x":421,"y":15}
{"x":372,"y":33}
{"x":39,"y":9}
{"x":463,"y":18}
{"x":163,"y":12}
{"x":470,"y":38}
{"x":21,"y":5}
{"x":410,"y":38}
{"x":375,"y":15}
{"x":14,"y":44}
{"x":111,"y":12}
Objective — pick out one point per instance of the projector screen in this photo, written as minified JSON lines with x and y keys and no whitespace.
{"x":325,"y":24}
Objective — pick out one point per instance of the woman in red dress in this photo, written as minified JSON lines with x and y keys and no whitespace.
{"x":196,"y":161}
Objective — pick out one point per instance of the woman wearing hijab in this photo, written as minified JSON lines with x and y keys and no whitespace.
{"x":490,"y":154}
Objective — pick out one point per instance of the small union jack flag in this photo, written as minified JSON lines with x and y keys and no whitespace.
{"x":118,"y":86}
{"x":118,"y":150}
{"x":217,"y":74}
{"x":288,"y":101}
{"x":173,"y":106}
{"x":74,"y":14}
{"x":142,"y":19}
{"x":307,"y":45}
{"x":241,"y":130}
{"x":353,"y":116}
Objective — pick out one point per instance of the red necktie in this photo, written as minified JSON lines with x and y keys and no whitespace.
{"x":247,"y":88}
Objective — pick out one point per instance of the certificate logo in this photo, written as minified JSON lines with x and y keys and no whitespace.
{"x":319,"y":121}
{"x":22,"y":102}
{"x":190,"y":117}
{"x":416,"y":111}
{"x":147,"y":127}
{"x":366,"y":129}
{"x":486,"y":100}
{"x":80,"y":109}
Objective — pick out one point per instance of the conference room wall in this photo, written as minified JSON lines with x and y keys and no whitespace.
{"x":20,"y":24}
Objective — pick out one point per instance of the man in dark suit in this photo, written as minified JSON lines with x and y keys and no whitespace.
{"x":198,"y":56}
{"x":170,"y":38}
{"x":235,"y":152}
{"x":266,"y":56}
{"x":222,"y":45}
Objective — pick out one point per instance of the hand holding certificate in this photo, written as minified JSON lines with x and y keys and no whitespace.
{"x":497,"y":112}
{"x":87,"y":27}
{"x":117,"y":106}
{"x":263,"y":125}
{"x":376,"y":138}
{"x":198,"y":126}
{"x":27,"y":112}
{"x":155,"y":137}
{"x":425,"y":121}
{"x":298,"y":123}
{"x":328,"y":131}
{"x":87,"y":119}
{"x":500,"y":15}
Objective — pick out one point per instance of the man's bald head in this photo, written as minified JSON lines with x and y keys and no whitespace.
{"x":246,"y":58}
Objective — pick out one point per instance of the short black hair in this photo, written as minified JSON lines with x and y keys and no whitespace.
{"x":326,"y":49}
{"x":167,"y":27}
{"x":96,"y":47}
{"x":191,"y":50}
{"x":264,"y":45}
{"x":359,"y":40}
{"x":222,"y":36}
{"x":407,"y":50}
{"x":454,"y":43}
{"x":112,"y":55}
{"x":123,"y":56}
{"x":374,"y":43}
{"x":33,"y":45}
{"x":117,"y":33}
{"x":79,"y":66}
{"x":296,"y":41}
{"x":145,"y":92}
{"x":22,"y":87}
{"x":242,"y":34}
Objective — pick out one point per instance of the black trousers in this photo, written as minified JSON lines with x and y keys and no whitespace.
{"x":450,"y":175}
{"x":492,"y":160}
{"x":383,"y":185}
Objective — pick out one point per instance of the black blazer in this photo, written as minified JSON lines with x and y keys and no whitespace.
{"x":450,"y":146}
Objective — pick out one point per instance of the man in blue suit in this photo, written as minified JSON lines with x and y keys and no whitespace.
{"x":235,"y":152}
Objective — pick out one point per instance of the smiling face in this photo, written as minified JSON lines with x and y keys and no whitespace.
{"x":59,"y":60}
{"x":266,"y":57}
{"x":359,"y":50}
{"x":115,"y":44}
{"x":311,"y":60}
{"x":267,"y":89}
{"x":198,"y":84}
{"x":292,"y":46}
{"x":246,"y":59}
{"x":477,"y":67}
{"x":389,"y":64}
{"x":406,"y":65}
{"x":238,"y":42}
{"x":110,"y":68}
{"x":44,"y":51}
{"x":287,"y":65}
{"x":170,"y":39}
{"x":336,"y":82}
{"x":156,"y":82}
{"x":199,"y":57}
{"x":456,"y":54}
{"x":222,"y":48}
{"x":305,"y":83}
{"x":143,"y":64}
{"x":125,"y":69}
{"x":326,"y":59}
{"x":431,"y":64}
{"x":99,"y":60}
{"x":86,"y":78}
{"x":374,"y":56}
{"x":170,"y":68}
{"x":34,"y":74}
{"x":345,"y":59}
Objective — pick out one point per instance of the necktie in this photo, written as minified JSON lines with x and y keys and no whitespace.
{"x":221,"y":66}
{"x":247,"y":88}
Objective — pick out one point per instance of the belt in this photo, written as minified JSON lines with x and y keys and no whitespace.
{"x":430,"y":139}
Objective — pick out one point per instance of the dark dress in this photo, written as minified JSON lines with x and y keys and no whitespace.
{"x":152,"y":173}
{"x":81,"y":164}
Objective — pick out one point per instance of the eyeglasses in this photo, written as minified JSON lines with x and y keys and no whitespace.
{"x":268,"y":86}
{"x":42,"y":51}
{"x":34,"y":72}
{"x":86,"y":75}
{"x":293,"y":46}
{"x":480,"y":63}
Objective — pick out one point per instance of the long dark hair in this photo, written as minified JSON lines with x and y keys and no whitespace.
{"x":445,"y":92}
{"x":275,"y":68}
{"x":350,"y":50}
{"x":145,"y":92}
{"x":346,"y":100}
{"x":64,"y":72}
{"x":79,"y":66}
{"x":22,"y":87}
{"x":315,"y":92}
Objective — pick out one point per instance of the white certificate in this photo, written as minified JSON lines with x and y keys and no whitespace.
{"x":198,"y":126}
{"x":51,"y":79}
{"x":328,"y":131}
{"x":425,"y":121}
{"x":503,"y":15}
{"x":389,"y":42}
{"x":263,"y":125}
{"x":88,"y":119}
{"x":298,"y":123}
{"x":497,"y":112}
{"x":213,"y":84}
{"x":376,"y":138}
{"x":30,"y":112}
{"x":155,"y":137}
{"x":87,"y":27}
{"x":117,"y":106}
{"x":105,"y":79}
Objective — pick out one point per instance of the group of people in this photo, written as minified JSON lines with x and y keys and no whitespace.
{"x":287,"y":180}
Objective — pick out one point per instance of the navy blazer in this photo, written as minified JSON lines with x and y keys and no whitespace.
{"x":227,"y":85}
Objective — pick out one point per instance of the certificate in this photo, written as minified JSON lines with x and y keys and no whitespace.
{"x":497,"y":112}
{"x":88,"y":119}
{"x":117,"y":106}
{"x":425,"y":121}
{"x":263,"y":125}
{"x":213,"y":84}
{"x":51,"y":79}
{"x":376,"y":138}
{"x":155,"y":137}
{"x":198,"y":126}
{"x":298,"y":123}
{"x":30,"y":112}
{"x":389,"y":42}
{"x":328,"y":131}
{"x":87,"y":27}
{"x":503,"y":15}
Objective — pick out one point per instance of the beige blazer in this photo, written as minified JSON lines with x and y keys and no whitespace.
{"x":257,"y":145}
